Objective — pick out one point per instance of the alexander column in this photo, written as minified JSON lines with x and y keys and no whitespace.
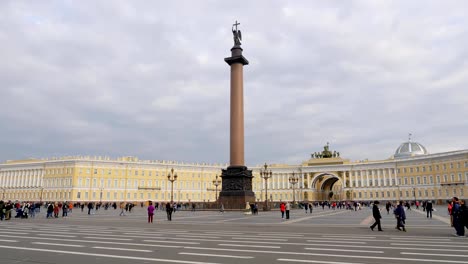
{"x":237,"y":179}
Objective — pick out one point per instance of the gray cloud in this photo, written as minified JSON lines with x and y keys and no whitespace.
{"x":148,"y":79}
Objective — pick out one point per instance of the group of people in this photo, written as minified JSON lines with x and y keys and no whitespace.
{"x":457,"y":210}
{"x":170,"y":209}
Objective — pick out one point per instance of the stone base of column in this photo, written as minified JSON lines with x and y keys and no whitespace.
{"x":237,"y":188}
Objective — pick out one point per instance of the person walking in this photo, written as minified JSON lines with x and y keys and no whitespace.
{"x":400,"y":217}
{"x":457,"y":214}
{"x":310,"y":208}
{"x":306,"y":207}
{"x":169,"y":211}
{"x":288,"y":208}
{"x":122,"y":209}
{"x":428,"y":209}
{"x":150,"y":212}
{"x":90,"y":207}
{"x":282,"y":209}
{"x":377,"y":217}
{"x":387,"y":207}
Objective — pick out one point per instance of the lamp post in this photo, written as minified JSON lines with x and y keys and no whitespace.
{"x":172,"y":177}
{"x":293,"y":180}
{"x":216,"y":183}
{"x":266,"y":174}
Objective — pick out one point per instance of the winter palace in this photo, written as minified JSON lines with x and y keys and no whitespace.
{"x":410,"y":174}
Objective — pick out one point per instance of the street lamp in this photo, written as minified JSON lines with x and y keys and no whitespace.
{"x":216,"y":183}
{"x":293,"y":180}
{"x":172,"y":177}
{"x":266,"y":174}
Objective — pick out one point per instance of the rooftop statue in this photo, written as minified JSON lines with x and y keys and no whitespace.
{"x":237,"y":34}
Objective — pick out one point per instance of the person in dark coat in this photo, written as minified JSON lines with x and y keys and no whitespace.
{"x":377,"y":216}
{"x":169,"y":211}
{"x":429,"y":209}
{"x":400,"y":217}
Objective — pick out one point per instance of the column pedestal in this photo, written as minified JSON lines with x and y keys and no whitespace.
{"x":237,"y":188}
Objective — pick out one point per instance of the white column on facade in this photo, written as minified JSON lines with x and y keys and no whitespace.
{"x":367,"y":178}
{"x":362,"y":178}
{"x":373,"y":178}
{"x":344,"y":179}
{"x":308,"y":182}
{"x":351,"y":177}
{"x":379,"y":178}
{"x":384,"y":174}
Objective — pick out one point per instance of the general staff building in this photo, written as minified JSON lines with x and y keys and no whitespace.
{"x":410,"y":174}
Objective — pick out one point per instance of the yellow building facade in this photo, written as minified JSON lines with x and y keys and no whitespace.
{"x":411,"y":174}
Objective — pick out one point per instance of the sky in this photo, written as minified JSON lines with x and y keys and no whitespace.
{"x":148,"y":78}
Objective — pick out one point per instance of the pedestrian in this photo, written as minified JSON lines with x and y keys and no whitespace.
{"x":169,"y":211}
{"x":457,"y":214}
{"x":449,"y":209}
{"x":387,"y":207}
{"x":65,"y":209}
{"x":122,"y":209}
{"x":288,"y":207}
{"x":150,"y":212}
{"x":310,"y":208}
{"x":464,"y":209}
{"x":377,"y":217}
{"x":50,"y":210}
{"x":221,"y":209}
{"x":400,"y":217}
{"x":282,"y":209}
{"x":306,"y":207}
{"x":90,"y":207}
{"x":428,"y":209}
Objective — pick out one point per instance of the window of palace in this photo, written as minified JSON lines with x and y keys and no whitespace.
{"x":383,"y":194}
{"x":78,"y":195}
{"x":423,"y":169}
{"x":142,"y":173}
{"x":437,"y":167}
{"x":466,"y":164}
{"x":398,"y":170}
{"x":360,"y":195}
{"x":411,"y":170}
{"x":399,"y":181}
{"x":452,"y":177}
{"x":80,"y":182}
{"x":438,"y":178}
{"x":431,"y":179}
{"x":94,"y":182}
{"x":404,"y":170}
{"x":95,"y":171}
{"x":424,"y":180}
{"x":432,"y":193}
{"x":407,"y":193}
{"x":466,"y":177}
{"x":417,"y":169}
{"x":458,"y":165}
{"x":102,"y":172}
{"x":440,"y":192}
{"x":94,"y":195}
{"x":370,"y":182}
{"x":419,"y":193}
{"x":445,"y":178}
{"x":86,"y":195}
{"x":430,"y":168}
{"x":444,"y":166}
{"x":412,"y":180}
{"x":454,"y":192}
{"x":136,"y":173}
{"x":451,"y":165}
{"x":461,"y":192}
{"x":459,"y":177}
{"x":447,"y":192}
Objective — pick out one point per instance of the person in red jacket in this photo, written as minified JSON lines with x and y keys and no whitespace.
{"x":283,"y":209}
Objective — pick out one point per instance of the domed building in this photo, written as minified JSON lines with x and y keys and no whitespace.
{"x":410,"y":149}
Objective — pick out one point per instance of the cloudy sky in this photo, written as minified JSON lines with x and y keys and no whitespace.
{"x":148,"y":78}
